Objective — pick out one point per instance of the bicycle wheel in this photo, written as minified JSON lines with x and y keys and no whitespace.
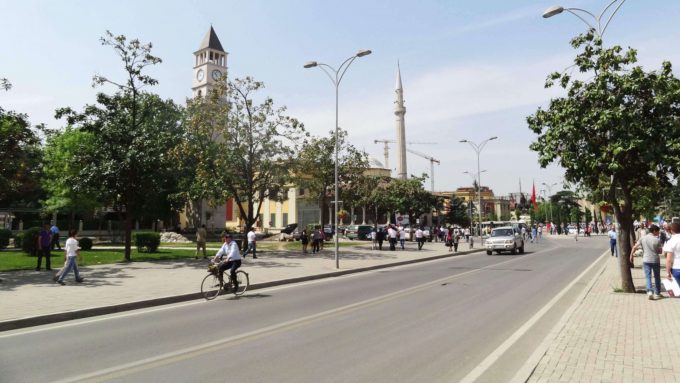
{"x":210,"y":287}
{"x":243,"y":282}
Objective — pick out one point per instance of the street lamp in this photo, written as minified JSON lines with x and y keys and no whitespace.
{"x":478,"y":149}
{"x":336,"y":76}
{"x":599,"y":30}
{"x":473,"y":179}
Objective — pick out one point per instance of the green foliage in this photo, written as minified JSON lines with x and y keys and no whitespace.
{"x":147,"y":242}
{"x":252,"y":158}
{"x":315,"y":171}
{"x":20,"y":157}
{"x":407,"y":197}
{"x":29,"y":241}
{"x":5,"y":235}
{"x":457,"y":212}
{"x":126,"y":167}
{"x":85,"y":243}
{"x":18,"y":240}
{"x":61,"y":170}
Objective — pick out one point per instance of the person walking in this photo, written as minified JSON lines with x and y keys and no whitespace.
{"x":420,"y":238}
{"x":201,"y":236}
{"x":651,"y":262}
{"x":55,"y":237}
{"x":71,"y":256}
{"x":252,"y":245}
{"x":392,"y":234}
{"x":672,"y":251}
{"x":613,"y":236}
{"x":374,"y":239}
{"x":380,"y":237}
{"x":455,"y":239}
{"x":402,"y":237}
{"x":44,"y":246}
{"x":304,"y":238}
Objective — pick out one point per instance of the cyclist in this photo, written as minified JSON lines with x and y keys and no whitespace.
{"x":229,"y":250}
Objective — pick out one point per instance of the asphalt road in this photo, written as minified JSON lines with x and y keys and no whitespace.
{"x":429,"y":322}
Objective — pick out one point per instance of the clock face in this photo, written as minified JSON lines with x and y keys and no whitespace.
{"x":216,"y":75}
{"x":200,"y":75}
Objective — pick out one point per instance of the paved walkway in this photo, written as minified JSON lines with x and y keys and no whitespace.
{"x":615,"y":337}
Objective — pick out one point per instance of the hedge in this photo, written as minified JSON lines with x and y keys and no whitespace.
{"x":85,"y":243}
{"x":5,"y":235}
{"x":18,"y":240}
{"x":147,"y":242}
{"x":29,"y":241}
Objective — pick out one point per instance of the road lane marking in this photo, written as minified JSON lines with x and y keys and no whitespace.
{"x":481,"y":368}
{"x":218,"y":345}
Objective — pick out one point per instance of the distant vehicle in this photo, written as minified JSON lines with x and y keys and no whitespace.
{"x":289,"y":228}
{"x":328,"y":231}
{"x":505,"y":238}
{"x":360,"y":232}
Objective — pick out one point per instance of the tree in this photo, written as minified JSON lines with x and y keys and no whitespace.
{"x":133,"y":131}
{"x":620,"y":126}
{"x":240,"y":149}
{"x":315,"y":171}
{"x":5,"y":84}
{"x":20,"y":159}
{"x":61,"y":168}
{"x":457,"y":212}
{"x":410,"y":197}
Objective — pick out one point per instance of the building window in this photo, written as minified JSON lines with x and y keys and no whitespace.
{"x":285,"y":219}
{"x":272,"y":220}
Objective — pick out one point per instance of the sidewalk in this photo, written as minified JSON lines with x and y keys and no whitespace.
{"x":29,"y":298}
{"x":615,"y":337}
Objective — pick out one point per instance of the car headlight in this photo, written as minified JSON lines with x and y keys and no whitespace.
{"x":508,"y":242}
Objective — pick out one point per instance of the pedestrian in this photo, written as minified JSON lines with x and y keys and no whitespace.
{"x":380,"y":237}
{"x":540,"y":232}
{"x":44,"y":244}
{"x":534,"y":234}
{"x":392,"y":237}
{"x":304,"y":238}
{"x":71,"y":256}
{"x":419,"y":238}
{"x":55,"y":237}
{"x":315,"y":240}
{"x":651,"y":262}
{"x":455,"y":240}
{"x":472,"y":242}
{"x":449,"y":240}
{"x":374,"y":239}
{"x":252,"y":245}
{"x":201,"y":236}
{"x":672,"y":251}
{"x":613,"y":236}
{"x":322,"y":237}
{"x":402,"y":237}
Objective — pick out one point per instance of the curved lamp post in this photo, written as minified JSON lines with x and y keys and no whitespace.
{"x":478,"y":149}
{"x":597,"y":25}
{"x":336,"y":75}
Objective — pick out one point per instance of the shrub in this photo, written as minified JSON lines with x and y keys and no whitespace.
{"x":18,"y":240}
{"x":5,"y":235}
{"x":147,"y":242}
{"x":29,"y":242}
{"x":85,"y":243}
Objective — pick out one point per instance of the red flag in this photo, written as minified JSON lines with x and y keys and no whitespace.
{"x":533,"y":195}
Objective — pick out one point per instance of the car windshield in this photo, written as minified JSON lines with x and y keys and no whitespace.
{"x":502,"y":233}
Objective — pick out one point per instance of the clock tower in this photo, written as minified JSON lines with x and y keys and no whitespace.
{"x":210,"y":65}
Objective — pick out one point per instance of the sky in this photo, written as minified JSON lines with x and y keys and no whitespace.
{"x":470,"y":69}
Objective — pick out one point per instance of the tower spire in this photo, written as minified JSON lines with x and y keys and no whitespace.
{"x":400,"y":111}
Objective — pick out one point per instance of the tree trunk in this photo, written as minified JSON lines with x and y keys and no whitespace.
{"x":128,"y":235}
{"x":624,"y":216}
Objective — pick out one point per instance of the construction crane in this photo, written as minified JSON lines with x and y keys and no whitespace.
{"x":387,"y":148}
{"x":432,"y":161}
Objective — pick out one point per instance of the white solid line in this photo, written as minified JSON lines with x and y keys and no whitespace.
{"x":481,"y":368}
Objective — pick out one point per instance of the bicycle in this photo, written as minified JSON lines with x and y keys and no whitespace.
{"x":211,"y":286}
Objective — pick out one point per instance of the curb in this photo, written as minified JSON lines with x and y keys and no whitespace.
{"x":14,"y":324}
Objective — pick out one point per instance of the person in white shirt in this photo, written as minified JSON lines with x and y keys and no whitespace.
{"x":613,"y":236}
{"x":228,"y":257}
{"x":392,"y":234}
{"x":419,"y":238}
{"x":252,"y":237}
{"x":672,"y":251}
{"x":71,"y":252}
{"x":402,"y":237}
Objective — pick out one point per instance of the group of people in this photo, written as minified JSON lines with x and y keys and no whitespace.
{"x":48,"y":240}
{"x":317,"y":238}
{"x":656,"y":242}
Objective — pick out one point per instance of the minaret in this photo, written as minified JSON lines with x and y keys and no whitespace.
{"x":210,"y":64}
{"x":400,"y":111}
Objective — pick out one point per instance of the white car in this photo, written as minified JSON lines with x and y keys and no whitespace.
{"x":504,"y":238}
